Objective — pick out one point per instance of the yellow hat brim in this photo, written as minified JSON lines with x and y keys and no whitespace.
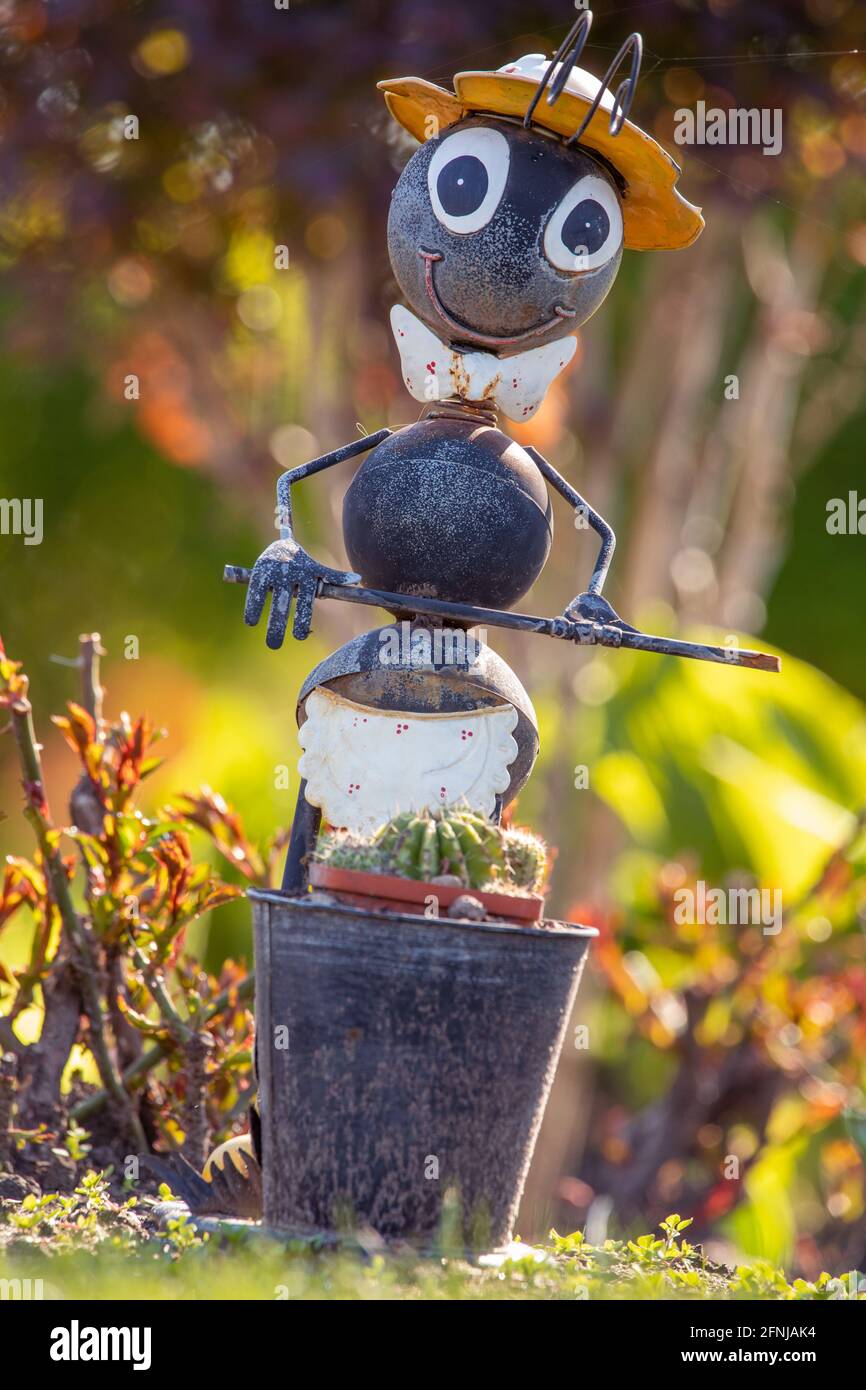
{"x":656,"y":217}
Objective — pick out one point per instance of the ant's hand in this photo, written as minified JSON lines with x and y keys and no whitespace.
{"x":592,"y":608}
{"x":287,"y":571}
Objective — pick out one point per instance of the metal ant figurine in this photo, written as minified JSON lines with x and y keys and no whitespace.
{"x":506,"y":232}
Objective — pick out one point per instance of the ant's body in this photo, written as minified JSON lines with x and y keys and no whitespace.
{"x":506,"y":232}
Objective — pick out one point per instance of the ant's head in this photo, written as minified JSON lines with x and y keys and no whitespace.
{"x":507,"y":226}
{"x":503,"y":238}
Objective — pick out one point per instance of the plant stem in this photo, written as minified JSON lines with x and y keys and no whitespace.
{"x":39,"y":816}
{"x":154,"y":1055}
{"x":90,"y":649}
{"x":155,"y":983}
{"x":8,"y":1087}
{"x":195,"y":1108}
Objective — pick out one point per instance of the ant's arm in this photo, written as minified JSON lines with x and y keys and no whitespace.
{"x":306,"y":470}
{"x":284,"y":568}
{"x":589,"y":605}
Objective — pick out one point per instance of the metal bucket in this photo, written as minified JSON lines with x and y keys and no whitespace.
{"x":401,"y":1058}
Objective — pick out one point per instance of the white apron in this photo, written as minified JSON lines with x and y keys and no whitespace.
{"x":363,"y":766}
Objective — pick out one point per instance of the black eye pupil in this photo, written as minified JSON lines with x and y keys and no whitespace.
{"x":586,"y":227}
{"x":462,"y":185}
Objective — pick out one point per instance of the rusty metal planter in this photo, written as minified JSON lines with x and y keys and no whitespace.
{"x":414,"y":1046}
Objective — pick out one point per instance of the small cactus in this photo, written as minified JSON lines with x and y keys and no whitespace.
{"x":343,"y":850}
{"x":457,"y":842}
{"x":525,"y":857}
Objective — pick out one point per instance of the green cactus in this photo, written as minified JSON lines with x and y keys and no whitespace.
{"x":481,"y":843}
{"x":526,"y":858}
{"x":406,"y":856}
{"x":343,"y":850}
{"x":392,"y":835}
{"x":451,"y":857}
{"x":456,"y":841}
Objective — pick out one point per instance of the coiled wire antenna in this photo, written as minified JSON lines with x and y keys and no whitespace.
{"x":565,"y":58}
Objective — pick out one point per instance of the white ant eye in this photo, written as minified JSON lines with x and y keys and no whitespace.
{"x":586,"y":229}
{"x":466,"y":178}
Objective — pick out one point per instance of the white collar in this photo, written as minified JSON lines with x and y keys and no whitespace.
{"x":432,"y":370}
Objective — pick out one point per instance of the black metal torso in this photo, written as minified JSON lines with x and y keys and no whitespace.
{"x":449,"y":508}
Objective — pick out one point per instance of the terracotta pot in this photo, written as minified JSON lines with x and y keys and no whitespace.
{"x":397,"y":894}
{"x":402,"y":1057}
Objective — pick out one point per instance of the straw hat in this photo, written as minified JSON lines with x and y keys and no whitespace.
{"x":655,"y":215}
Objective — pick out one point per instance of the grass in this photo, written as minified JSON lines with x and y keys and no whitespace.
{"x":85,"y":1245}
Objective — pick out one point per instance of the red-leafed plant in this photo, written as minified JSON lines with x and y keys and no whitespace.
{"x":111,"y":895}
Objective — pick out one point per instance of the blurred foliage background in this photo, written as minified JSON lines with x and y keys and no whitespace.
{"x":145,"y":249}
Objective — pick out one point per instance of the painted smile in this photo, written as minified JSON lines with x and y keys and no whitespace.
{"x":462,"y":330}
